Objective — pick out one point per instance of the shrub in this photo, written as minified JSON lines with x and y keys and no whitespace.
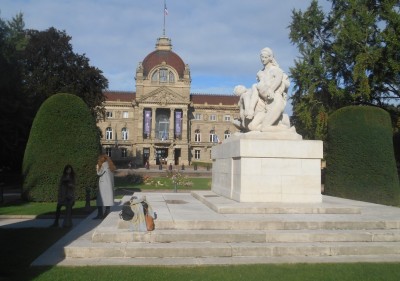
{"x":63,"y":132}
{"x":360,"y":157}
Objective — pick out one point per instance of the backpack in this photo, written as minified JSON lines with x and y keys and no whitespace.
{"x":126,"y":213}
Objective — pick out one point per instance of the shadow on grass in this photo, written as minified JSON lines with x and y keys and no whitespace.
{"x":20,"y":247}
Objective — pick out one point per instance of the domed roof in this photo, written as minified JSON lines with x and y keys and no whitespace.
{"x":162,"y":54}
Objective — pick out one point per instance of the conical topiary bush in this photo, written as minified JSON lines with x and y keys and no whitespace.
{"x":63,"y":132}
{"x":360,"y":157}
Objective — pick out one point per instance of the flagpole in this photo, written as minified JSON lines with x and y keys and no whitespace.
{"x":164,"y":11}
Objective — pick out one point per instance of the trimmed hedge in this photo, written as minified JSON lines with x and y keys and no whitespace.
{"x":360,"y":157}
{"x":63,"y":132}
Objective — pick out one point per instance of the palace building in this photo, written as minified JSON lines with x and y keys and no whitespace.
{"x":163,"y":122}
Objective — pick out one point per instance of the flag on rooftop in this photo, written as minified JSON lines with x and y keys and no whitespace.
{"x":165,"y":9}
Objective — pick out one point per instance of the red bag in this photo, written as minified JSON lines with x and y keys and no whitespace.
{"x":149,"y":222}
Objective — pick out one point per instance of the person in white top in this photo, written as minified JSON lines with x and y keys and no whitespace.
{"x":105,"y":196}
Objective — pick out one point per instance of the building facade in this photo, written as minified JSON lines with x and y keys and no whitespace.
{"x":162,"y":122}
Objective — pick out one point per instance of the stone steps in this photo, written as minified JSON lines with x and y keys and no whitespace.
{"x":254,"y":236}
{"x":190,"y":231}
{"x":212,"y":261}
{"x":290,"y":223}
{"x":243,"y":249}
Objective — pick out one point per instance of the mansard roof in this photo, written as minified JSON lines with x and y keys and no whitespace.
{"x":209,"y":99}
{"x":119,"y":96}
{"x":214,"y":99}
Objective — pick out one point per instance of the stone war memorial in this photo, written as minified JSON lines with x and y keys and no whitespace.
{"x":267,"y":161}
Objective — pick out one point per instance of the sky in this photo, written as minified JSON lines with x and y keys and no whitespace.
{"x":220,"y":40}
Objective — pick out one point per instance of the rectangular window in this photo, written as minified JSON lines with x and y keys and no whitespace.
{"x":125,"y":114}
{"x":109,"y":114}
{"x":197,"y":116}
{"x":124,"y":133}
{"x":109,"y":134}
{"x":227,"y":118}
{"x":213,"y":117}
{"x":197,"y":137}
{"x":108,"y":151}
{"x":213,"y":136}
{"x":197,"y":154}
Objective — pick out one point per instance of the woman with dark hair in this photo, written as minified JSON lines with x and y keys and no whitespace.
{"x":66,"y":196}
{"x":105,"y":197}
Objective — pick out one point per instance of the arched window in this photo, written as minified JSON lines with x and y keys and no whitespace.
{"x":171,"y":77}
{"x":109,"y":133}
{"x":154,"y":78}
{"x":227,"y":134}
{"x":197,"y":136}
{"x":213,"y":136}
{"x":124,"y":133}
{"x":163,"y":75}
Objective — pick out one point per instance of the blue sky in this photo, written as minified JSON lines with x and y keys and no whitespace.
{"x":219,"y":39}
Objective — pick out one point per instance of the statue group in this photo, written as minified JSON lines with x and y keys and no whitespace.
{"x":262,"y":105}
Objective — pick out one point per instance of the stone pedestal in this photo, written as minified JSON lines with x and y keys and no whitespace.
{"x":249,"y":168}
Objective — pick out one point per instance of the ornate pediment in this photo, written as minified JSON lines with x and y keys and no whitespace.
{"x":162,"y":96}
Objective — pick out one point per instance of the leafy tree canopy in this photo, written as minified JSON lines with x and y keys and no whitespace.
{"x":349,"y":55}
{"x":51,"y":66}
{"x":35,"y":65}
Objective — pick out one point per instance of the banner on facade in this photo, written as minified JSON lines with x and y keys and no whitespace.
{"x":147,"y":122}
{"x":178,"y":123}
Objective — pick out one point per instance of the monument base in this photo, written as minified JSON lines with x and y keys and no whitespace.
{"x":253,"y":168}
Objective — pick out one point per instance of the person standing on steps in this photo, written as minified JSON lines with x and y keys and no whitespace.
{"x":66,"y":196}
{"x":105,"y":196}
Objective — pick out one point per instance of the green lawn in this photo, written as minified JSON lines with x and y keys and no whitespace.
{"x":43,"y":208}
{"x":286,"y":272}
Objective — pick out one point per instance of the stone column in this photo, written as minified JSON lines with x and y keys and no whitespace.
{"x":139,"y":124}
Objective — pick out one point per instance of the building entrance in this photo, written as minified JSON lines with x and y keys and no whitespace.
{"x":177,"y":155}
{"x":161,"y":156}
{"x":146,"y":155}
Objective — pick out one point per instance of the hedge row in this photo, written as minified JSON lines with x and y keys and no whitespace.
{"x":63,"y":132}
{"x":360,"y":158}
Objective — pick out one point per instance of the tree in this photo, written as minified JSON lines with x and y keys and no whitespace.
{"x":35,"y":65}
{"x":15,"y":108}
{"x":51,"y":66}
{"x":350,"y":55}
